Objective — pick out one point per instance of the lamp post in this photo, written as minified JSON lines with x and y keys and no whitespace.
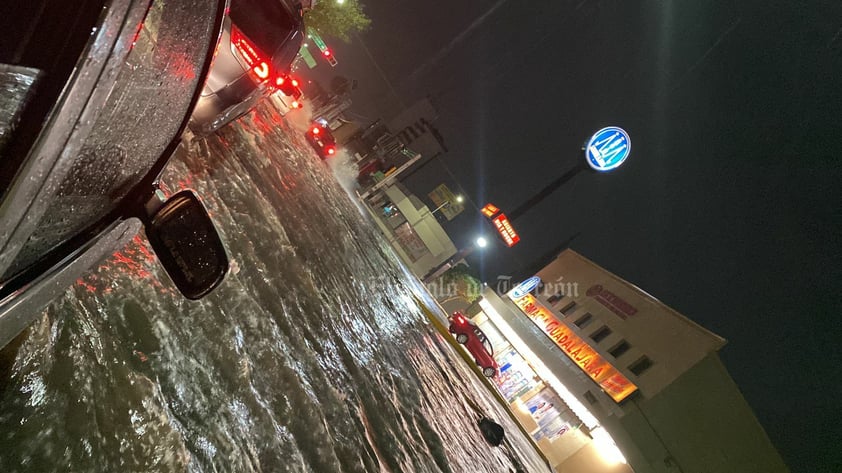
{"x":481,"y":242}
{"x":447,"y":203}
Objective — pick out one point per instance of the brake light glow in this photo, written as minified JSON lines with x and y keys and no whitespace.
{"x":316,"y":130}
{"x":294,"y":83}
{"x":250,"y":53}
{"x":331,"y":150}
{"x":296,"y":104}
{"x":279,"y":81}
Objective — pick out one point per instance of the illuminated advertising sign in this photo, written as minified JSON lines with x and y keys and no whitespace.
{"x":525,"y":287}
{"x":489,"y":210}
{"x":608,"y":148}
{"x":505,"y":229}
{"x":609,"y":378}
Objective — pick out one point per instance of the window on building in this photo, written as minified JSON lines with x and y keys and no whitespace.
{"x":641,"y":365}
{"x":555,"y":298}
{"x":569,"y":308}
{"x":620,"y":348}
{"x":600,"y":334}
{"x":584,"y":320}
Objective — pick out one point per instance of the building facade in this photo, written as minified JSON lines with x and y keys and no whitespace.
{"x":411,"y":228}
{"x":609,"y":379}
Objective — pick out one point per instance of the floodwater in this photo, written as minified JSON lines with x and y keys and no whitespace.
{"x":312,"y":356}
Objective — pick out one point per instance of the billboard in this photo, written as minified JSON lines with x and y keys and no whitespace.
{"x":602,"y":372}
{"x":446,"y":202}
{"x":489,"y":210}
{"x":505,"y":229}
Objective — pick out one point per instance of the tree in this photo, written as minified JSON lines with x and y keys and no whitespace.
{"x":464,"y":280}
{"x":337,"y":19}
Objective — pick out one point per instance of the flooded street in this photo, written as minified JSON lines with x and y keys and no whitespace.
{"x":312,"y":356}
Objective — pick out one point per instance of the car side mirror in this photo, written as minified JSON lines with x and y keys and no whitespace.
{"x":187,"y":244}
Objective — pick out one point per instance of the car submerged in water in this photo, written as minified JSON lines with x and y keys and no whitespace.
{"x":94,"y":97}
{"x":259,"y":41}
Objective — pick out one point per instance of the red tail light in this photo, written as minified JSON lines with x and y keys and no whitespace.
{"x":294,"y":83}
{"x":279,"y":81}
{"x":460,"y":319}
{"x":316,"y":130}
{"x":296,"y":104}
{"x":256,"y":60}
{"x":331,"y":150}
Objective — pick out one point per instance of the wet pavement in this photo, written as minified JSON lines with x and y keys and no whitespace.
{"x":312,"y":356}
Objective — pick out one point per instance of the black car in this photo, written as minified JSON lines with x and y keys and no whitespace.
{"x":259,"y":41}
{"x":94,"y":96}
{"x":322,"y":140}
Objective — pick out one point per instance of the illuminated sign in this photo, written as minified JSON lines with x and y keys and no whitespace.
{"x":504,"y":228}
{"x":525,"y":287}
{"x":609,"y":378}
{"x":608,"y":148}
{"x":489,"y":210}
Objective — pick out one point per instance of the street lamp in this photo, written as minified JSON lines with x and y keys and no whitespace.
{"x":447,"y":203}
{"x":479,"y":243}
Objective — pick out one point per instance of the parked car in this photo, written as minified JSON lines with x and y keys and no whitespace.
{"x":260,"y":39}
{"x":467,"y":333}
{"x":95,"y":97}
{"x":322,"y":140}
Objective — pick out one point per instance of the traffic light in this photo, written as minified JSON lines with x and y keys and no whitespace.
{"x":329,"y":57}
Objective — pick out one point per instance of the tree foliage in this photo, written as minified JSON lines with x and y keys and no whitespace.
{"x":338,"y":20}
{"x":466,"y":281}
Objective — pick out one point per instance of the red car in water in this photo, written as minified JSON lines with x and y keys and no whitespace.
{"x":467,"y":333}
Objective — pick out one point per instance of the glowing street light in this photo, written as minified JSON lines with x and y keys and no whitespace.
{"x":482,"y":242}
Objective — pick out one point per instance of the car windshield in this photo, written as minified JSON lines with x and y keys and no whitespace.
{"x":267,"y":24}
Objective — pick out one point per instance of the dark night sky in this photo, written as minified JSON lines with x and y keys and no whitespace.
{"x":728,"y":209}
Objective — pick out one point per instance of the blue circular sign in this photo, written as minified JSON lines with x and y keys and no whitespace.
{"x":525,"y":287}
{"x":608,"y":148}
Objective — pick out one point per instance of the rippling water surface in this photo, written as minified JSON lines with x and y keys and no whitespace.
{"x":312,"y":356}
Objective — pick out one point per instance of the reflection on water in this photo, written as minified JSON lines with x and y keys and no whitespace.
{"x":310,"y":357}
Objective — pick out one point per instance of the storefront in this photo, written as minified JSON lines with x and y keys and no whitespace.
{"x":553,"y":424}
{"x":608,"y":379}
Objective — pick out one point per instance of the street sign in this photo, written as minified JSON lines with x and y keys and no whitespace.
{"x":608,"y":148}
{"x":446,"y":201}
{"x":505,"y":229}
{"x":308,"y":58}
{"x":327,"y":54}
